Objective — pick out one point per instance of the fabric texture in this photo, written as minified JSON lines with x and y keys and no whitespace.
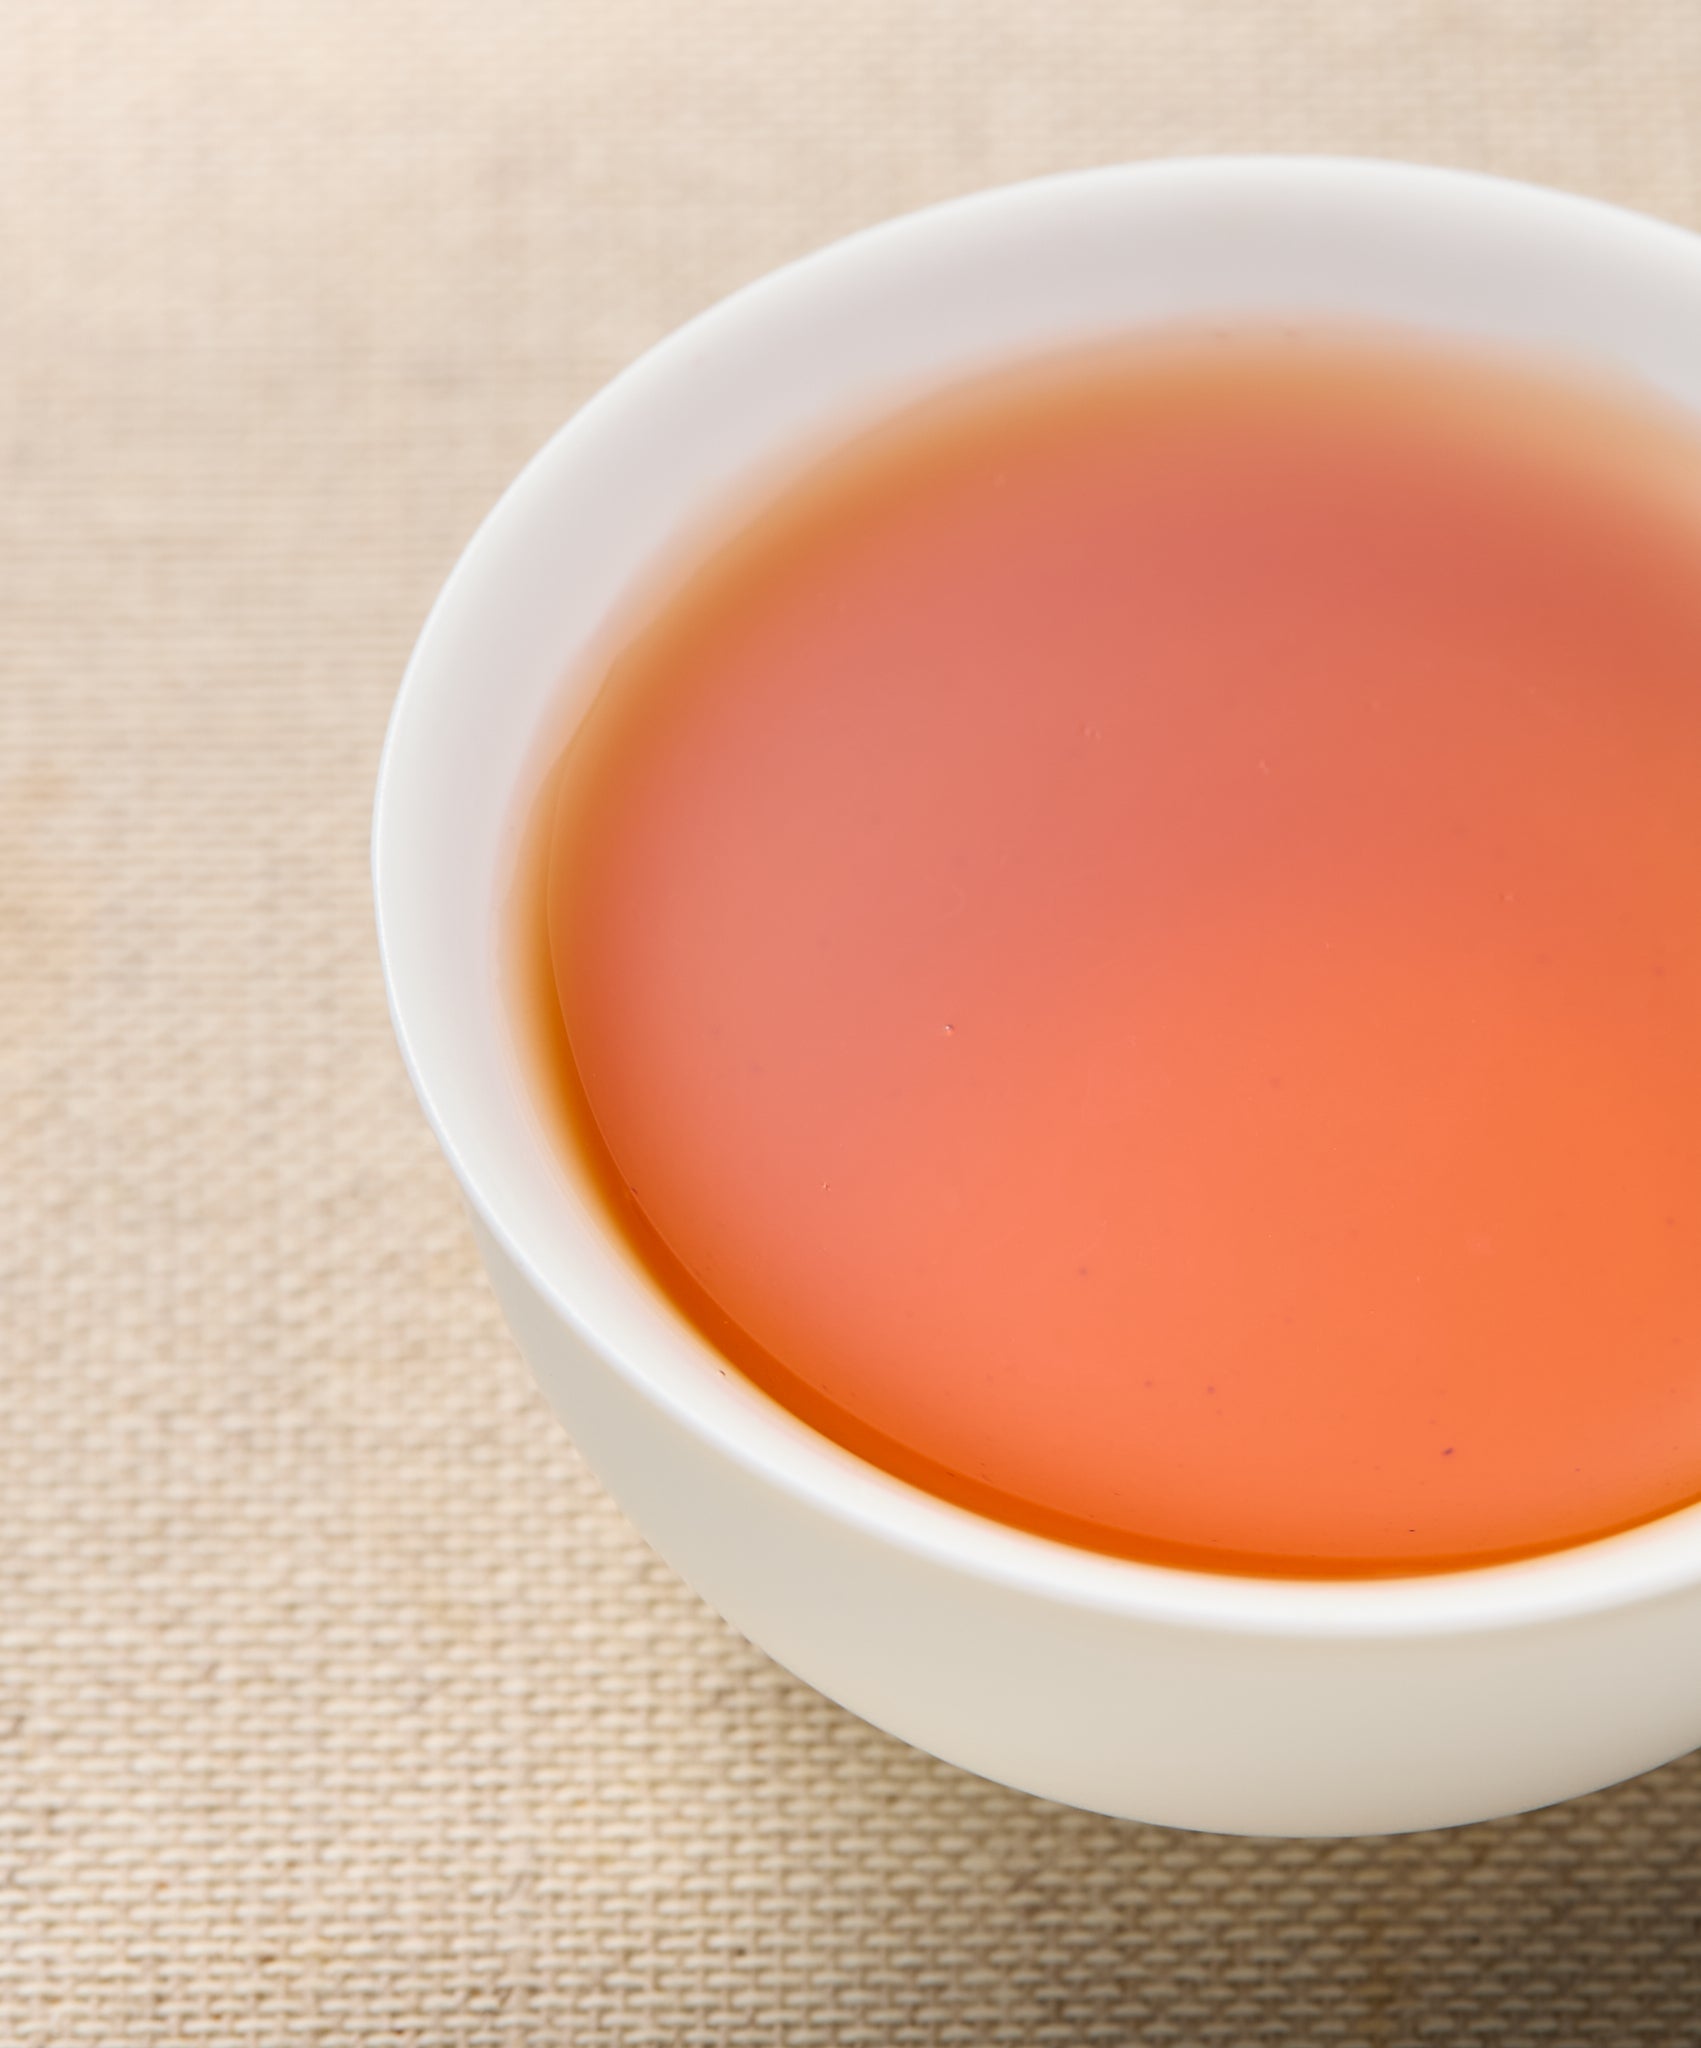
{"x":337,"y":1704}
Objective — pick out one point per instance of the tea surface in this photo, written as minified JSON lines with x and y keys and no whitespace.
{"x":1131,"y":950}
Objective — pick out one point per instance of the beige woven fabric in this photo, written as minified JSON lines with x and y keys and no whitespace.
{"x":337,"y":1705}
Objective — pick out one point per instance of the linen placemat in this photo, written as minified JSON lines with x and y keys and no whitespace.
{"x":337,"y":1704}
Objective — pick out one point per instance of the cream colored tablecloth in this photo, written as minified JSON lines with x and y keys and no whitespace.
{"x":337,"y":1705}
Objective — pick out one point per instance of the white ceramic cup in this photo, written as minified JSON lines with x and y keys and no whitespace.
{"x":1251,"y":1705}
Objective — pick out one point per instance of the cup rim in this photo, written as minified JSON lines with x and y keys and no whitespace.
{"x":1655,"y":1558}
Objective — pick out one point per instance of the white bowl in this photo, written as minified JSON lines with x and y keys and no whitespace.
{"x":1252,"y":1705}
